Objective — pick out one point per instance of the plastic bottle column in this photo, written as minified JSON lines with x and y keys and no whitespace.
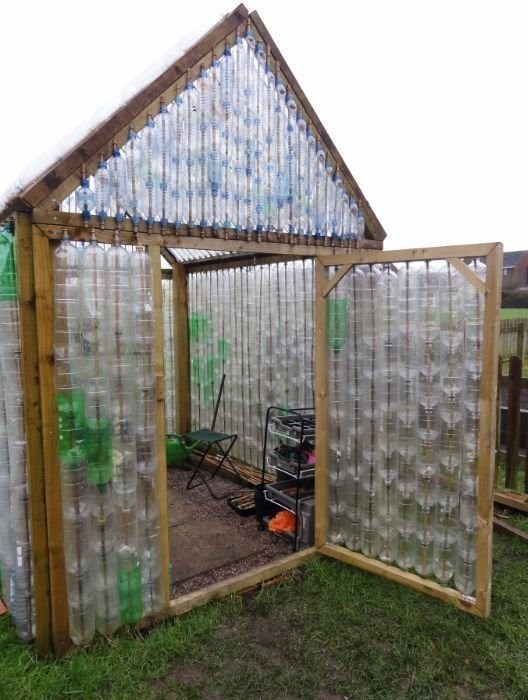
{"x":73,"y":454}
{"x":215,"y":165}
{"x":20,"y":576}
{"x":369,"y":497}
{"x":451,"y":422}
{"x":354,"y":408}
{"x":118,"y":184}
{"x":473,"y":338}
{"x":149,"y":178}
{"x":338,"y":337}
{"x":133,"y":163}
{"x":98,"y":440}
{"x":407,"y":416}
{"x":179,"y":160}
{"x":163,"y":153}
{"x":203,"y":88}
{"x":428,"y":415}
{"x":227,"y":86}
{"x":121,"y":366}
{"x":148,"y":496}
{"x":388,"y":405}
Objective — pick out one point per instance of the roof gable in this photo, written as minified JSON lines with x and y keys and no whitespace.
{"x":60,"y":180}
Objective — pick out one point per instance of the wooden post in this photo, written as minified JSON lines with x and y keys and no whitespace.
{"x":155,"y":258}
{"x":498,"y":423}
{"x":182,"y":379}
{"x":321,"y":408}
{"x":514,"y":422}
{"x":33,"y":432}
{"x":44,"y":296}
{"x":488,"y":393}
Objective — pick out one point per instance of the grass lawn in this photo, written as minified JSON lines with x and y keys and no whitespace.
{"x":327,"y":631}
{"x":513,"y":313}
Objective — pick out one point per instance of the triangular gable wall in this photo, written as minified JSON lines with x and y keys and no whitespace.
{"x":49,"y":190}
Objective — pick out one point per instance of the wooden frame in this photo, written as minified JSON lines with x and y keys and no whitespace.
{"x":480,"y":604}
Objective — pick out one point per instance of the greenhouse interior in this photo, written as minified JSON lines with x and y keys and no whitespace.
{"x":200,"y":324}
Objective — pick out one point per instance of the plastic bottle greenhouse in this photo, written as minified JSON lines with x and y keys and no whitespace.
{"x":209,"y":229}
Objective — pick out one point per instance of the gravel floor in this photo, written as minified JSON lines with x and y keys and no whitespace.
{"x":200,"y":505}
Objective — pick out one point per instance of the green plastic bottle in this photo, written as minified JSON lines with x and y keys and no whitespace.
{"x":130,"y":589}
{"x":70,"y":416}
{"x":98,"y":450}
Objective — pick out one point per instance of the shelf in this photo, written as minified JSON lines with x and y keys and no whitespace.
{"x":305,"y":470}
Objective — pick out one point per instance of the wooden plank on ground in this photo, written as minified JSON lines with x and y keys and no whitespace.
{"x":33,"y":431}
{"x":517,"y":501}
{"x":507,"y":529}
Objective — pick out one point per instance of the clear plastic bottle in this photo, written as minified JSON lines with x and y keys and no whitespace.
{"x":85,"y":197}
{"x":118,"y":184}
{"x":271,"y":152}
{"x":102,"y":190}
{"x":132,"y":153}
{"x":259,"y":116}
{"x":149,"y":148}
{"x":291,"y":163}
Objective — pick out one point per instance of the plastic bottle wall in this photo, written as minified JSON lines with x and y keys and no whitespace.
{"x":15,"y":542}
{"x":255,"y":324}
{"x":405,"y":371}
{"x":168,"y":354}
{"x":106,"y":411}
{"x":232,"y":150}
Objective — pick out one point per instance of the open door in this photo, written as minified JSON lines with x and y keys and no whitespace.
{"x":406,"y":383}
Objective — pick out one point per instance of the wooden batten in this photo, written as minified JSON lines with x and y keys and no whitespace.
{"x":44,"y":299}
{"x":182,"y":366}
{"x":373,"y":257}
{"x":321,"y":408}
{"x":468,"y":273}
{"x":195,"y":237}
{"x":374,"y":566}
{"x":239,"y":583}
{"x":160,"y":423}
{"x":33,"y":431}
{"x":488,"y":392}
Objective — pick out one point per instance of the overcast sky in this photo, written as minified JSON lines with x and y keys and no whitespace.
{"x":426,"y":101}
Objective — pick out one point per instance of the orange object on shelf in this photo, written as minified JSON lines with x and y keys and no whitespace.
{"x":283,"y":521}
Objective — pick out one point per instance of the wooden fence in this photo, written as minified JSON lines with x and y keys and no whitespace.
{"x":513,"y":338}
{"x":512,"y":426}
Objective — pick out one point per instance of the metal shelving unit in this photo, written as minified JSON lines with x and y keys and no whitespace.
{"x":294,"y":488}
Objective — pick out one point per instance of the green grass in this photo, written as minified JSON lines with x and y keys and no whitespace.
{"x":513,"y":313}
{"x":327,"y":631}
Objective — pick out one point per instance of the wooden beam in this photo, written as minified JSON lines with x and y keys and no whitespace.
{"x":321,"y":408}
{"x":62,"y":177}
{"x":182,"y":370}
{"x":333,"y":281}
{"x":44,"y":298}
{"x":236,"y":584}
{"x":392,"y":573}
{"x":468,"y":273}
{"x":155,"y":258}
{"x":374,"y":228}
{"x":370,"y":257}
{"x":33,"y":432}
{"x":488,"y":392}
